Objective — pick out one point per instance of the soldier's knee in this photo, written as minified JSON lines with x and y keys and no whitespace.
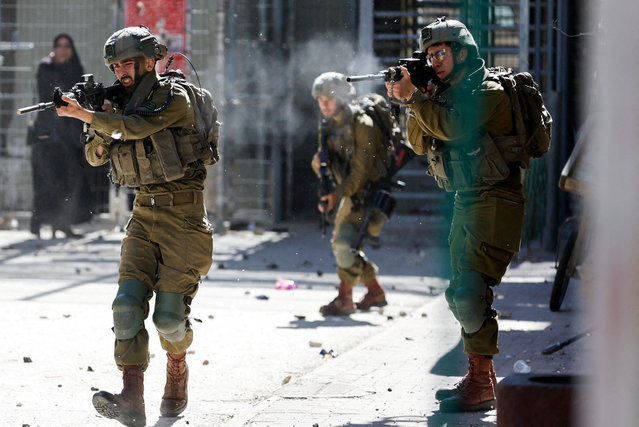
{"x":345,"y":257}
{"x":469,"y":301}
{"x":169,"y":316}
{"x":128,"y":309}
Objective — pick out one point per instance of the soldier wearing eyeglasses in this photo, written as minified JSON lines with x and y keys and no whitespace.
{"x":456,"y":124}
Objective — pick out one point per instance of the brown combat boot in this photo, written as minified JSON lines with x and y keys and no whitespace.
{"x":445,"y":393}
{"x":176,"y":389}
{"x":342,"y":305}
{"x":477,"y":391}
{"x":375,"y":297}
{"x":128,"y":406}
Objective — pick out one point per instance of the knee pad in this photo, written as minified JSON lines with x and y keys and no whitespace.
{"x":169,"y":316}
{"x":344,"y":256}
{"x":128,"y":309}
{"x":450,"y":299}
{"x":470,"y":301}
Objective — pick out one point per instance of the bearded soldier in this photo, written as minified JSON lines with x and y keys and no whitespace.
{"x":146,"y":135}
{"x":357,"y":157}
{"x":458,"y":125}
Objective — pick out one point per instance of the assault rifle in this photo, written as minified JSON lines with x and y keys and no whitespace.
{"x":421,"y":74}
{"x":382,"y":202}
{"x":325,"y":183}
{"x":89,"y":94}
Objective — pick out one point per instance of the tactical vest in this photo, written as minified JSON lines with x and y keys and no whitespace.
{"x":475,"y":163}
{"x":161,"y":157}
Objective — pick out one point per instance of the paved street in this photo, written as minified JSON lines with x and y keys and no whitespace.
{"x":256,"y":356}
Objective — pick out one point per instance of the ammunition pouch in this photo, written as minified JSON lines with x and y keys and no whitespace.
{"x":382,"y":205}
{"x":470,"y":167}
{"x":162,"y":157}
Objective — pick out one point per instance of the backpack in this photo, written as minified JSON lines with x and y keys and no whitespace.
{"x":532,"y":122}
{"x":205,"y":119}
{"x":379,"y":109}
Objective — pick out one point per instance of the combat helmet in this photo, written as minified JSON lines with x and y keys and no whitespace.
{"x":334,"y":85}
{"x":131,"y":42}
{"x":447,"y":30}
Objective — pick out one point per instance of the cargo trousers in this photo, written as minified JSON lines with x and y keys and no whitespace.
{"x":168,"y":248}
{"x":485,"y":234}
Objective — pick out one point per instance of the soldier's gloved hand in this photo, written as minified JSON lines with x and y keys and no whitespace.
{"x":327,"y":203}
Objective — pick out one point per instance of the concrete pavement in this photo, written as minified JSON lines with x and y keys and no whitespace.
{"x":255,"y":360}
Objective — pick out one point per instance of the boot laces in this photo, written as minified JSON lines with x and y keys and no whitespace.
{"x":175,"y":369}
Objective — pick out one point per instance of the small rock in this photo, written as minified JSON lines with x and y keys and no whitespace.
{"x":262,"y":297}
{"x":211,"y":316}
{"x":314,"y":344}
{"x":89,"y":369}
{"x":424,"y":315}
{"x":286,"y":380}
{"x":402,"y":314}
{"x":205,"y":363}
{"x":272,"y":266}
{"x":319,"y":273}
{"x":505,"y":314}
{"x":300,"y":317}
{"x":94,"y":389}
{"x":26,"y":359}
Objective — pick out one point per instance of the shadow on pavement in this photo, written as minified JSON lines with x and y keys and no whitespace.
{"x":441,"y":419}
{"x":452,"y":364}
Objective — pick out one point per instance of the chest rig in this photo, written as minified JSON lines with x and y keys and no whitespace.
{"x":163,"y":156}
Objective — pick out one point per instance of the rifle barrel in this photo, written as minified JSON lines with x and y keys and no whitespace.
{"x":37,"y":107}
{"x":366,"y":77}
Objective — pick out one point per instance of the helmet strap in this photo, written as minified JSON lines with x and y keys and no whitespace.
{"x":338,"y":110}
{"x":459,"y":67}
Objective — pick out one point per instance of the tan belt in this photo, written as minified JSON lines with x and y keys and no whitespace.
{"x":169,"y":199}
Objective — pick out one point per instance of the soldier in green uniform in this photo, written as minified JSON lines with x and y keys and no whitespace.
{"x":168,"y":244}
{"x":357,"y":156}
{"x":457,"y":124}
